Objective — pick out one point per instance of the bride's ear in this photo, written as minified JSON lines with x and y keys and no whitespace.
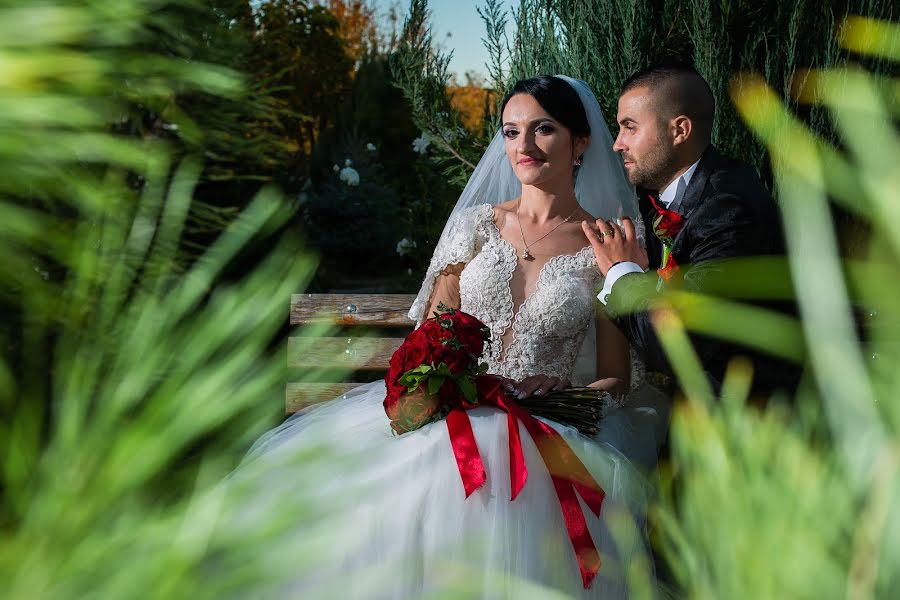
{"x":581,"y":144}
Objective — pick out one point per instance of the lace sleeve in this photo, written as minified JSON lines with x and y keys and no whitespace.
{"x":458,"y":244}
{"x":639,"y":228}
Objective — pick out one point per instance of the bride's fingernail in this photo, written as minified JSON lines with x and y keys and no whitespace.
{"x":538,"y":392}
{"x":520,"y":395}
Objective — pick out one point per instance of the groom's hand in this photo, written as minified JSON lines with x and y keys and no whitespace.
{"x":614,"y":244}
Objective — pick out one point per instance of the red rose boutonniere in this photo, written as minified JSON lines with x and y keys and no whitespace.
{"x":666,"y":227}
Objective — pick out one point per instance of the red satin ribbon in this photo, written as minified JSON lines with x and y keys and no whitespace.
{"x":566,"y":470}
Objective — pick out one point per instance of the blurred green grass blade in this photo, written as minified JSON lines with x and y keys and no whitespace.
{"x":869,"y":539}
{"x":860,"y":115}
{"x":772,"y":122}
{"x":143,"y":368}
{"x":871,"y":37}
{"x":54,"y":111}
{"x":749,"y":326}
{"x":831,"y":337}
{"x":44,"y":24}
{"x":681,"y":354}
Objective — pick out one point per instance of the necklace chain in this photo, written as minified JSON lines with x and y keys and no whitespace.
{"x":526,"y":254}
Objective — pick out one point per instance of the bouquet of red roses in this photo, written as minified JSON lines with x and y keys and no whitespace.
{"x":437,"y":369}
{"x":436,"y":374}
{"x":434,"y":370}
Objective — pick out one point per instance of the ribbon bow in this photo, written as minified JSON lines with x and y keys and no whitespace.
{"x":568,"y":473}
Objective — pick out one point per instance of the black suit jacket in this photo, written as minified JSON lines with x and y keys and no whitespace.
{"x":729,"y":214}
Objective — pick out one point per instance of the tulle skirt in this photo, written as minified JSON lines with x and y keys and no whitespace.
{"x":406,"y":530}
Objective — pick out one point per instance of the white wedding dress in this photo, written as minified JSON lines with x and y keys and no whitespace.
{"x":408,"y":529}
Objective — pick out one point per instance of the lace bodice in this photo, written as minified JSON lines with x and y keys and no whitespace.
{"x":550,"y":324}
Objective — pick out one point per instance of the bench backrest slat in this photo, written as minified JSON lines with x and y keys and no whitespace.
{"x":353,"y":353}
{"x":377,"y":310}
{"x":367,"y":357}
{"x":301,"y":395}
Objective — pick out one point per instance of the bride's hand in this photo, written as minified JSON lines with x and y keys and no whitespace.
{"x":539,"y":385}
{"x":508,"y":384}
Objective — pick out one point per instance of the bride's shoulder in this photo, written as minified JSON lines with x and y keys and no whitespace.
{"x":471,"y":224}
{"x":474,"y":216}
{"x":478,"y":211}
{"x":500,"y":212}
{"x":583,"y":215}
{"x":509,"y":206}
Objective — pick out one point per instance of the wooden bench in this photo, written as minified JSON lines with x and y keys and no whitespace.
{"x":365,"y":330}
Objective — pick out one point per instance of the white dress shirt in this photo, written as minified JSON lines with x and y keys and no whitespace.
{"x":674,"y":191}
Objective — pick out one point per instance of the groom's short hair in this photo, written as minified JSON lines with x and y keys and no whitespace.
{"x":678,"y":89}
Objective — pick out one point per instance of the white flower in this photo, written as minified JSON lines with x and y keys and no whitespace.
{"x":371,"y":147}
{"x":348,"y":163}
{"x":405,"y":246}
{"x":421,"y":143}
{"x":349,"y":176}
{"x":336,"y":169}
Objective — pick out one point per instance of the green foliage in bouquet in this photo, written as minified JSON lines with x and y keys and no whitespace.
{"x":435,"y":377}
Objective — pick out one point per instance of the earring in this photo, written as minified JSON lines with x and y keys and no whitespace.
{"x":578,"y":162}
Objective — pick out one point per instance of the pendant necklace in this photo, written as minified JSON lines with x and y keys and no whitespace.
{"x":526,"y":254}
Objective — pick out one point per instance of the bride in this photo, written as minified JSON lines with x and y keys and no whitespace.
{"x":513,"y":254}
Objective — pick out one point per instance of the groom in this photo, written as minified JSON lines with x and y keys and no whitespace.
{"x":711,"y":207}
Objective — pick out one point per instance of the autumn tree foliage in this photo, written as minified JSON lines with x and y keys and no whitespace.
{"x":356,"y":26}
{"x":474,"y":102}
{"x":302,"y":60}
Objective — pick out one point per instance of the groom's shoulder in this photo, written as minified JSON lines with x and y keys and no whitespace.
{"x":736,"y":179}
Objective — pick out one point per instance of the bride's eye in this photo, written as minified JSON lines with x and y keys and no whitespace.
{"x":545,"y":129}
{"x":510,"y":133}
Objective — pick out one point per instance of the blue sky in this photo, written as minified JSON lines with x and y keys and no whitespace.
{"x":460,"y":19}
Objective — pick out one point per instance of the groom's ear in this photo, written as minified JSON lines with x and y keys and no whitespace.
{"x":681,"y":129}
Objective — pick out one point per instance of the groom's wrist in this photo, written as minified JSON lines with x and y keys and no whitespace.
{"x":613,"y":274}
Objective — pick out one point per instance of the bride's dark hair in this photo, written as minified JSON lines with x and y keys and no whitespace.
{"x":558,"y":98}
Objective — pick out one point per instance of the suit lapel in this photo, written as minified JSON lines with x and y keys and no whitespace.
{"x":654,"y":246}
{"x":694,"y":192}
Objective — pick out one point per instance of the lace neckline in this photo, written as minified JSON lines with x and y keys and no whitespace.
{"x":500,"y":352}
{"x":496,"y":231}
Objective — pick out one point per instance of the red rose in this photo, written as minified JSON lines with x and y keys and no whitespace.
{"x":414,"y":351}
{"x":471,"y":332}
{"x":668,"y":270}
{"x":418,"y":347}
{"x":414,"y":410}
{"x":668,"y":224}
{"x":454,"y":339}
